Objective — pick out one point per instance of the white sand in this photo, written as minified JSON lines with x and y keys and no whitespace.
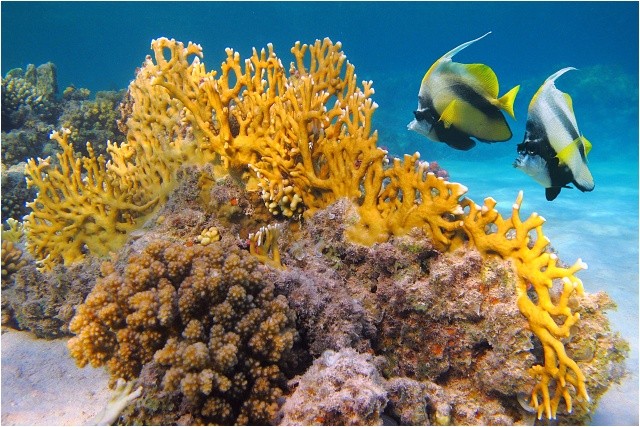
{"x":41,"y":385}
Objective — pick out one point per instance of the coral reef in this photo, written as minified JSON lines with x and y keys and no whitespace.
{"x":44,"y":303}
{"x":470,"y":311}
{"x":447,"y":324}
{"x":92,"y":121}
{"x":204,"y":314}
{"x":29,"y":111}
{"x":28,"y":92}
{"x":15,"y":193}
{"x":342,"y":388}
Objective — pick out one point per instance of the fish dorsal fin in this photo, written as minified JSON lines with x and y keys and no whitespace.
{"x":455,"y":50}
{"x":485,"y":78}
{"x":447,"y":56}
{"x":554,"y":76}
{"x":567,"y":98}
{"x":550,"y":80}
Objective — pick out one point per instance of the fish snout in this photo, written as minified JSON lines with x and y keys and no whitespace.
{"x":519,"y":162}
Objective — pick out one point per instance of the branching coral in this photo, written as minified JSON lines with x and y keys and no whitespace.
{"x":78,"y":207}
{"x":307,"y":138}
{"x":549,"y":318}
{"x":404,"y":196}
{"x":204,"y":314}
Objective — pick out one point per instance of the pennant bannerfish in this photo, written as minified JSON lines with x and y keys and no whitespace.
{"x":553,"y":151}
{"x":459,"y":101}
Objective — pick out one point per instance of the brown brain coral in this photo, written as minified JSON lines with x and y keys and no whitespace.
{"x":204,"y":314}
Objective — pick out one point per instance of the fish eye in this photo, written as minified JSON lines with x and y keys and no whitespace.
{"x":531,"y":152}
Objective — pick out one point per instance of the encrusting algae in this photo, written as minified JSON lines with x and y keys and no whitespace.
{"x":303,"y":141}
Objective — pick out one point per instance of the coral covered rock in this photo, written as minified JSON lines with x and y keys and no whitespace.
{"x":15,"y":193}
{"x":341,"y":388}
{"x":28,"y":93}
{"x":447,"y":324}
{"x":44,"y":303}
{"x":204,"y":315}
{"x":92,"y":121}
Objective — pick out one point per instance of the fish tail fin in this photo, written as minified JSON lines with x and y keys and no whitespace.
{"x":453,"y":51}
{"x":554,"y":76}
{"x":506,"y":101}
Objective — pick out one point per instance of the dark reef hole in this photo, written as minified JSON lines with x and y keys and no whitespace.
{"x":479,"y":349}
{"x":538,"y":352}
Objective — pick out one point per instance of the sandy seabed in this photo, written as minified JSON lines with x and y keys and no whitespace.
{"x":41,"y":385}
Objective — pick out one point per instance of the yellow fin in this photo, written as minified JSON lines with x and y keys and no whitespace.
{"x":506,"y":101}
{"x":485,"y":77}
{"x":565,"y":154}
{"x":569,"y":101}
{"x":587,"y":145}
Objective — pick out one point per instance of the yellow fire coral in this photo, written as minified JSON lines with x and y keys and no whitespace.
{"x":307,"y":138}
{"x":551,"y":321}
{"x":404,"y":196}
{"x":79,"y":206}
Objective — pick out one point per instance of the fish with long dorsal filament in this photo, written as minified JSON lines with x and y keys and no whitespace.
{"x":554,"y":152}
{"x":458,"y":102}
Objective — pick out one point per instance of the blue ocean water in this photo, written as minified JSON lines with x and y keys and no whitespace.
{"x":98,"y":45}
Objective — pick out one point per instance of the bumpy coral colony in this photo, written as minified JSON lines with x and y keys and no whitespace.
{"x":303,"y":141}
{"x":201,"y":312}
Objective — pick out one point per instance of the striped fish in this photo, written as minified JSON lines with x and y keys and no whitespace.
{"x":553,"y":151}
{"x":458,"y":102}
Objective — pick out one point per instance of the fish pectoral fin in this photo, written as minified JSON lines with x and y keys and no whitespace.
{"x":506,"y":101}
{"x":449,"y":115}
{"x":587,"y":145}
{"x":567,"y":152}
